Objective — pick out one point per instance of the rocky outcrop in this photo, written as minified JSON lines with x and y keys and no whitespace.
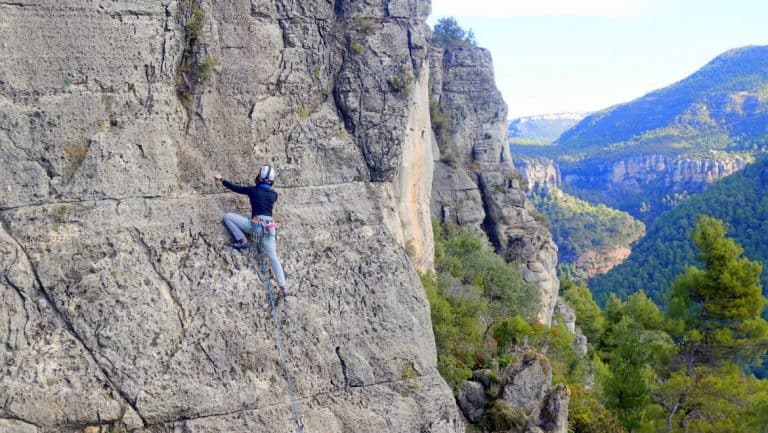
{"x":539,"y":174}
{"x":567,"y":314}
{"x":456,"y":197}
{"x":522,"y":399}
{"x":593,"y":263}
{"x":473,"y":148}
{"x":472,"y":400}
{"x":120,"y":302}
{"x":526,"y":384}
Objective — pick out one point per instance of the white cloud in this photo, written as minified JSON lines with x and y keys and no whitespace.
{"x":529,"y":8}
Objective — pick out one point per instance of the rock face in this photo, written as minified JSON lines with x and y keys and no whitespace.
{"x":472,"y":400}
{"x":120,"y":302}
{"x":646,"y":185}
{"x":525,"y":393}
{"x":538,"y":173}
{"x":594,"y":263}
{"x":568,"y":315}
{"x":475,"y":180}
{"x":526,"y":384}
{"x":676,"y":173}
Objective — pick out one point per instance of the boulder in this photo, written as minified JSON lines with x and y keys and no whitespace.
{"x":472,"y":400}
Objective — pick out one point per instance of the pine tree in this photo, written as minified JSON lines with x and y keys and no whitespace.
{"x":718,"y":308}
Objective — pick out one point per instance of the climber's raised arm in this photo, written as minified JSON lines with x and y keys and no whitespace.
{"x":229,"y":185}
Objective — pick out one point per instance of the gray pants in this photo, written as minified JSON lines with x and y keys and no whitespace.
{"x":240,"y":225}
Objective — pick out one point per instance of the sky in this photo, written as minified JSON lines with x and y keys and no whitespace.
{"x":555,"y":56}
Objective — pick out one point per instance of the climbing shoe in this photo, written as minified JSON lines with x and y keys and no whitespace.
{"x":241,"y":245}
{"x":280,"y":294}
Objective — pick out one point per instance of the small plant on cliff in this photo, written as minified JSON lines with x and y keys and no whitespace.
{"x":441,"y":127}
{"x":397,"y":83}
{"x":504,"y":417}
{"x":195,"y":18}
{"x":208,"y":68}
{"x":60,"y":214}
{"x":304,"y":112}
{"x":193,"y":69}
{"x":357,"y":47}
{"x":316,"y":73}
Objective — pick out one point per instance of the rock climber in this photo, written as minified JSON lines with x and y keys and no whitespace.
{"x":261,"y":225}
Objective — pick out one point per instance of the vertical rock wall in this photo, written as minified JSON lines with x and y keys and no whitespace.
{"x":479,"y":187}
{"x":120,"y":301}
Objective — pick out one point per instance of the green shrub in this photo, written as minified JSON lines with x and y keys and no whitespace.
{"x":502,"y":417}
{"x":448,"y":33}
{"x":587,"y":415}
{"x":473,"y":290}
{"x":60,"y":215}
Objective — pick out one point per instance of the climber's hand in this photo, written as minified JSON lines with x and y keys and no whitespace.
{"x":217,"y":176}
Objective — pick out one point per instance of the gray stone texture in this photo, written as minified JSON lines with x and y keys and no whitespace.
{"x":567,"y":314}
{"x":554,"y":413}
{"x":540,"y":173}
{"x":472,"y":400}
{"x":120,"y":301}
{"x":525,"y":384}
{"x":478,"y":186}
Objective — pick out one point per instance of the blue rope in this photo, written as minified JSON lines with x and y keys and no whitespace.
{"x":279,"y":338}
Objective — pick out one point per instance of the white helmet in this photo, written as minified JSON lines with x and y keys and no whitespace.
{"x":267,"y":173}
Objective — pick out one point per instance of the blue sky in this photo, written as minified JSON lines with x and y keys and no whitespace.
{"x":554,"y":56}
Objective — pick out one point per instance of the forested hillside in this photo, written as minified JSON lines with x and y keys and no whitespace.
{"x":723,"y":105}
{"x":739,"y":200}
{"x":685,"y":369}
{"x":591,"y":238}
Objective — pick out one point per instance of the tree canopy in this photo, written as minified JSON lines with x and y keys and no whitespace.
{"x":718,"y":308}
{"x":448,"y":33}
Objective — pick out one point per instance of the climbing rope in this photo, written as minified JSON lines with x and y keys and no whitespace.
{"x":279,"y":336}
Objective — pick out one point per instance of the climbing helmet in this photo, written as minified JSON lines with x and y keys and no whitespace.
{"x":267,"y":173}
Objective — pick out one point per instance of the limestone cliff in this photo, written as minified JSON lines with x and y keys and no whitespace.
{"x":475,"y":183}
{"x":676,"y":173}
{"x":647,"y":184}
{"x":539,"y":174}
{"x":120,"y":301}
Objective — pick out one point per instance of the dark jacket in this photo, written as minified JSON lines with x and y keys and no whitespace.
{"x":262,"y":197}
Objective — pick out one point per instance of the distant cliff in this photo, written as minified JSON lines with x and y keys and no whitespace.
{"x":539,"y":173}
{"x":645,"y":185}
{"x":738,"y":200}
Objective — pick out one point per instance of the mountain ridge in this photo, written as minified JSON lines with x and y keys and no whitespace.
{"x":709,"y":101}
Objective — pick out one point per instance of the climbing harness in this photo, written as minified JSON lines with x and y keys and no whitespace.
{"x":278,"y":334}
